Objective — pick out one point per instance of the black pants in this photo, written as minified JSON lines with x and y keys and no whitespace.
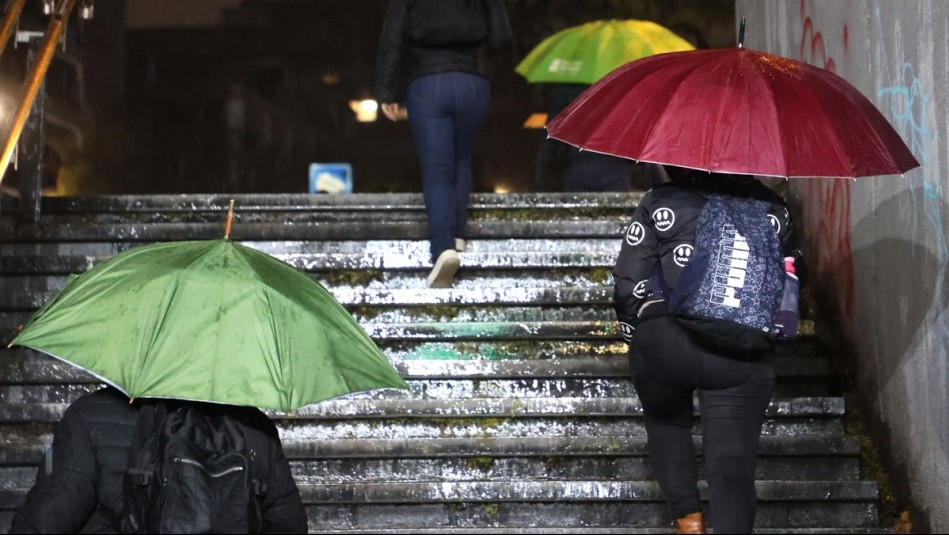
{"x":667,"y":368}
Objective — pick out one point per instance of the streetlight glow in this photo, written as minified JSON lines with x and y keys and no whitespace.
{"x":366,"y":110}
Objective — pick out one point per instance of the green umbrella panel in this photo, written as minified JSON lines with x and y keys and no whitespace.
{"x":209,"y":321}
{"x":583,"y":54}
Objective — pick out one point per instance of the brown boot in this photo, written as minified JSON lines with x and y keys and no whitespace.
{"x":692,"y":523}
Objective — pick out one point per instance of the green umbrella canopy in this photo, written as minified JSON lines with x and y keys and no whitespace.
{"x":585,"y":53}
{"x":209,"y":321}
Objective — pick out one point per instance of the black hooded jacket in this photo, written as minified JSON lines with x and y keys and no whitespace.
{"x":663,"y":229}
{"x":398,"y":61}
{"x":83,"y":491}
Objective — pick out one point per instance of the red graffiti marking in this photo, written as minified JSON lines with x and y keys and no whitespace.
{"x":827,"y":201}
{"x":818,"y":54}
{"x":827,"y":220}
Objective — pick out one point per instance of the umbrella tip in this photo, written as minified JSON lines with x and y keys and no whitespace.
{"x":741,"y":33}
{"x":230,"y":217}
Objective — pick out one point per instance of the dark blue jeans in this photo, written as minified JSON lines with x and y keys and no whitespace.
{"x":446,"y":111}
{"x":667,"y":367}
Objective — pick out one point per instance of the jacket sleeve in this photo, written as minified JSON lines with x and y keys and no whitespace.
{"x":391,"y":55}
{"x":637,"y":261}
{"x":61,"y":501}
{"x":283,"y":510}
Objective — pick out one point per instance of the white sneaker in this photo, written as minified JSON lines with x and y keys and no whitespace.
{"x":460,"y":245}
{"x":443,"y":274}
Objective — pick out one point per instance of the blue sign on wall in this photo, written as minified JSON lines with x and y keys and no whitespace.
{"x":331,"y":178}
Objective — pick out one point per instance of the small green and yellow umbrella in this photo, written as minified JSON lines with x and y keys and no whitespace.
{"x":583,"y":54}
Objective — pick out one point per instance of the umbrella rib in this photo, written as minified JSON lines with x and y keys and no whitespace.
{"x":655,"y":124}
{"x":834,"y":140}
{"x":781,"y":136}
{"x":274,"y":331}
{"x":858,"y":101}
{"x":717,"y":123}
{"x":87,"y":370}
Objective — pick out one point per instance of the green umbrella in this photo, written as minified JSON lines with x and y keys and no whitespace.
{"x":209,"y":321}
{"x":583,"y":54}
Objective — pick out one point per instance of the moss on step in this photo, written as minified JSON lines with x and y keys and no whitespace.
{"x":353,"y":278}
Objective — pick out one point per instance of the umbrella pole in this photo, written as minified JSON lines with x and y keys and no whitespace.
{"x":741,"y":33}
{"x":230,"y":217}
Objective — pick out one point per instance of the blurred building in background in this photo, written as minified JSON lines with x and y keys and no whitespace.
{"x":241,"y":96}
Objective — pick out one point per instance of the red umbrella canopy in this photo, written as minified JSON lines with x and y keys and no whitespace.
{"x":734,"y":110}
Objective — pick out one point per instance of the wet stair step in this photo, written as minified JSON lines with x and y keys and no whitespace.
{"x":368,"y":217}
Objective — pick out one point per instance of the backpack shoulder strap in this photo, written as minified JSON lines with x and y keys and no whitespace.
{"x":257,"y":448}
{"x":142,"y":467}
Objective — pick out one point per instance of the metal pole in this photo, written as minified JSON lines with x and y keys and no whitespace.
{"x":34,"y":79}
{"x":29,"y":152}
{"x":9,"y":21}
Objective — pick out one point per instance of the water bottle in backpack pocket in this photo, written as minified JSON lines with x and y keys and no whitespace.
{"x":786,"y":318}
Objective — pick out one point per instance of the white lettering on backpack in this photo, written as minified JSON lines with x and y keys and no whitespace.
{"x":731,"y":264}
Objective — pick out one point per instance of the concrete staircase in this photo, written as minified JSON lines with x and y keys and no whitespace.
{"x":521,"y":417}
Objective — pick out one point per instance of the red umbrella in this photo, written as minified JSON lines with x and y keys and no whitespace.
{"x":734,"y":110}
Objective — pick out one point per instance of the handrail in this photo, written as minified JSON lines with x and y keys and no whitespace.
{"x":9,"y":21}
{"x":34,"y":79}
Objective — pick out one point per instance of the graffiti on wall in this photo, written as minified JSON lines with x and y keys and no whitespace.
{"x":827,"y":214}
{"x":906,"y":102}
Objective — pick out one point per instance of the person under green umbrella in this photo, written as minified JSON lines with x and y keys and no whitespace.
{"x":193,"y":338}
{"x":79,"y":486}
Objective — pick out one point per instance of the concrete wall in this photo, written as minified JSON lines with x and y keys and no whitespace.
{"x":878,"y":246}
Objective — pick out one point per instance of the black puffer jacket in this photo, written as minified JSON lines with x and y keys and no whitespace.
{"x":398,"y":61}
{"x":83,"y":492}
{"x":663,"y":231}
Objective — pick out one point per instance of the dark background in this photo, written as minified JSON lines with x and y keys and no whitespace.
{"x":136,"y":107}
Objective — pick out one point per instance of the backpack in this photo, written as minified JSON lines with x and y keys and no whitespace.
{"x":189,"y":472}
{"x":446,"y":23}
{"x":728,"y":293}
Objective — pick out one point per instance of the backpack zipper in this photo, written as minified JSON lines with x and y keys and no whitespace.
{"x":202,"y":467}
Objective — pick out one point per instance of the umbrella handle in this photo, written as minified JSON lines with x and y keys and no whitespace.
{"x":230,"y":217}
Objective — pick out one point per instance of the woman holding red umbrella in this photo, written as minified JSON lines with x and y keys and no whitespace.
{"x":669,"y":364}
{"x":731,"y":113}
